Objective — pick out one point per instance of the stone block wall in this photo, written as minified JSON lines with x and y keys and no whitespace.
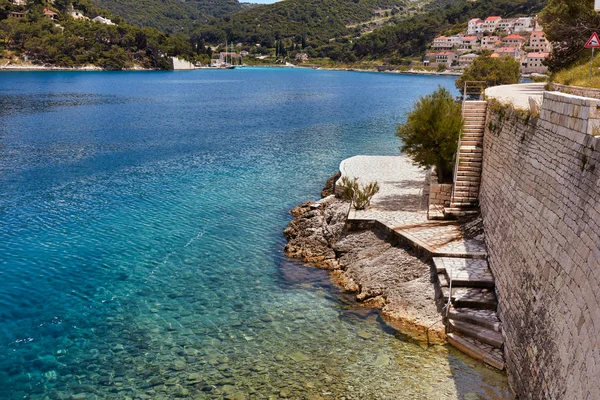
{"x":440,"y":194}
{"x":576,"y":90}
{"x":540,"y":201}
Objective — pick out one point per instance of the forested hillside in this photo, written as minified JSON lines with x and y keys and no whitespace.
{"x":170,"y":15}
{"x":68,"y":42}
{"x":318,"y":20}
{"x":343,"y":29}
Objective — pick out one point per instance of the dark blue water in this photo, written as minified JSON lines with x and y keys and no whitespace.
{"x":141,"y":247}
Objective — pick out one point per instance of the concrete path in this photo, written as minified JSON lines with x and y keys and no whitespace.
{"x":517,"y":95}
{"x":401,"y":206}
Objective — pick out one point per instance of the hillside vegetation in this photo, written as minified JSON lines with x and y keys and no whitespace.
{"x":170,"y":15}
{"x":340,"y":29}
{"x":319,"y":20}
{"x":69,"y":42}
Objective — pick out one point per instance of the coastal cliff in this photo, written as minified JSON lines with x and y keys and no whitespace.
{"x":368,"y":264}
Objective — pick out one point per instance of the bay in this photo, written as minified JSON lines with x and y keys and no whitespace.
{"x":141,"y":247}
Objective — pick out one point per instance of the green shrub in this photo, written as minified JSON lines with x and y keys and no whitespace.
{"x":359,"y":196}
{"x":430,"y":134}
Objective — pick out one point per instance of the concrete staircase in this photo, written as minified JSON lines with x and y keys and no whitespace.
{"x":472,"y":325}
{"x":468,"y":167}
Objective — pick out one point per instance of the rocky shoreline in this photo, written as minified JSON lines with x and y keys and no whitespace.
{"x":367,"y":263}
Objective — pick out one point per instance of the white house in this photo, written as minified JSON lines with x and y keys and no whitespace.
{"x":539,"y":43}
{"x":523,"y":24}
{"x":491,"y":23}
{"x":77,"y":15}
{"x":103,"y":20}
{"x":474,"y":26}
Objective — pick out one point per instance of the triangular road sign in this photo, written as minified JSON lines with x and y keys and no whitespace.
{"x":593,"y":42}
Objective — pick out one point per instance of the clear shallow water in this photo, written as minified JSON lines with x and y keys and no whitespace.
{"x":141,"y":247}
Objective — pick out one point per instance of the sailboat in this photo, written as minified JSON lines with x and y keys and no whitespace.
{"x":228,"y":65}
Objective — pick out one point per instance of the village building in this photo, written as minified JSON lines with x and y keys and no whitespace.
{"x":491,"y":23}
{"x":19,"y":2}
{"x":523,"y":24}
{"x":534,"y":63}
{"x":302,"y":57}
{"x":244,"y":53}
{"x":442,"y":43}
{"x":446,"y":58}
{"x":507,"y":25}
{"x":539,"y":43}
{"x":513,"y":52}
{"x":469,"y":43}
{"x":466,"y":59}
{"x":77,"y":15}
{"x":50,"y":14}
{"x":17,"y":14}
{"x":475,"y":26}
{"x":490,"y":42}
{"x":513,"y":40}
{"x":103,"y":20}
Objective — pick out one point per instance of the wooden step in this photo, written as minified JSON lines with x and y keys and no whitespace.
{"x":482,"y":334}
{"x":484,"y":318}
{"x":477,"y":350}
{"x":471,"y":297}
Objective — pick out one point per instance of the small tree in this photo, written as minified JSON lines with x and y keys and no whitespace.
{"x":430,"y":134}
{"x":493,"y":71}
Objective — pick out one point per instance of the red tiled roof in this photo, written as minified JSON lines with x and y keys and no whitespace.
{"x":514,"y":37}
{"x":467,"y":38}
{"x":537,"y":34}
{"x":492,"y":18}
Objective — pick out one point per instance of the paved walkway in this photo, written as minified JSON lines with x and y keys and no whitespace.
{"x":401,"y":206}
{"x":517,"y":95}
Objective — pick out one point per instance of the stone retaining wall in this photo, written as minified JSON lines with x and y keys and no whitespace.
{"x":440,"y":194}
{"x":540,"y":201}
{"x":576,"y":90}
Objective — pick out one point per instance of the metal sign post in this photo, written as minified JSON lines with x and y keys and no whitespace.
{"x":593,"y":43}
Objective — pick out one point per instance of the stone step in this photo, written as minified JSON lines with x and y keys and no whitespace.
{"x":472,"y":120}
{"x":459,"y":212}
{"x":470,"y":168}
{"x":465,"y":197}
{"x":471,"y":158}
{"x":477,"y":350}
{"x":461,"y":187}
{"x":484,"y":318}
{"x":478,"y":134}
{"x":465,"y":272}
{"x":465,"y":192}
{"x":464,"y":203}
{"x":464,"y":178}
{"x":482,"y":334}
{"x":467,"y":163}
{"x":477,"y":298}
{"x":470,"y":150}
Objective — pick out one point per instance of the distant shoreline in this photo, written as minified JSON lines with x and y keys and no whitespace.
{"x":93,"y":68}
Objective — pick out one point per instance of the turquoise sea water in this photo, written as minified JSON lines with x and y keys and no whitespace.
{"x":141,"y":246}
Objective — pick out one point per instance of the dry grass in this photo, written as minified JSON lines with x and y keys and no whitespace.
{"x":580,"y":75}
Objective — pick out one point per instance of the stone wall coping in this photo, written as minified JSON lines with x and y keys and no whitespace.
{"x":570,"y":98}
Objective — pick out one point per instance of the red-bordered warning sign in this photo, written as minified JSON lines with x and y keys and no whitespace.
{"x":593,"y":42}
